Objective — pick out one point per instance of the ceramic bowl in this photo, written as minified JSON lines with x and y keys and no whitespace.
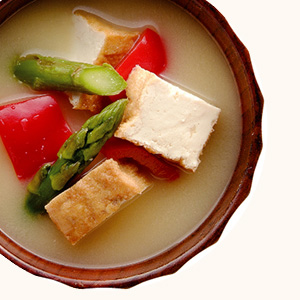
{"x":210,"y":230}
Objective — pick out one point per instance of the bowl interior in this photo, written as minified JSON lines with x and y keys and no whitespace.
{"x":209,"y":231}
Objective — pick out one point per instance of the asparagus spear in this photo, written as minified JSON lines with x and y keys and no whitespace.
{"x":46,"y":73}
{"x":77,"y":152}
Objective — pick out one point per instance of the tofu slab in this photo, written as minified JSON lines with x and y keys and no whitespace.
{"x":166,"y":120}
{"x":95,"y":197}
{"x":97,"y":42}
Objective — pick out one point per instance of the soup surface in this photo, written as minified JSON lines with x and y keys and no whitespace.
{"x":169,"y":211}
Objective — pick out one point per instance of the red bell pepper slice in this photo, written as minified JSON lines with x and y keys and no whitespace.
{"x":32,"y":132}
{"x":148,"y":52}
{"x":119,"y":149}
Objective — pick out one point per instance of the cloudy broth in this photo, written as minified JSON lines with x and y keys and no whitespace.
{"x":169,"y":211}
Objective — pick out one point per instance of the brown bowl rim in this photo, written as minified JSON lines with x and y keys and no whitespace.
{"x":210,"y":230}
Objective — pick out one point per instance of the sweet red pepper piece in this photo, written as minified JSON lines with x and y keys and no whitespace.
{"x":148,"y":52}
{"x":119,"y":149}
{"x":32,"y":132}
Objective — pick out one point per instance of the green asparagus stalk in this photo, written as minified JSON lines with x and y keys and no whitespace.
{"x":78,"y":151}
{"x":47,"y":73}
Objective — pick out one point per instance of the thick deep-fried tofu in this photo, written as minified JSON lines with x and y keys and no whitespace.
{"x":98,"y":42}
{"x":166,"y":120}
{"x":95,"y":197}
{"x":106,"y":42}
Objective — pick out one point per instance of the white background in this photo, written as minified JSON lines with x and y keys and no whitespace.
{"x":258,"y":256}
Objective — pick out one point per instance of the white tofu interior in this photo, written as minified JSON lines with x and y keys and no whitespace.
{"x":88,"y":41}
{"x":166,"y":120}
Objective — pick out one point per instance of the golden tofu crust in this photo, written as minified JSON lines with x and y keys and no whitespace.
{"x":93,"y":103}
{"x":118,"y":40}
{"x":117,"y":44}
{"x":95,"y":197}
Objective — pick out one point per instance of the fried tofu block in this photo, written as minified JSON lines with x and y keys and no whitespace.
{"x":93,"y":103}
{"x":98,"y":42}
{"x":166,"y":120}
{"x":95,"y":197}
{"x":114,"y":41}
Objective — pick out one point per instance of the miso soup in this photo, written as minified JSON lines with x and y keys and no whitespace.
{"x":168,"y":212}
